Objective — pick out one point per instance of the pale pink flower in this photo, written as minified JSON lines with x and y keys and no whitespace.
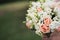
{"x":39,"y":9}
{"x":28,"y":24}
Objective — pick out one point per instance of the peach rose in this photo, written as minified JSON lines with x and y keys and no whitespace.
{"x":39,"y":9}
{"x":47,"y":21}
{"x":44,"y":28}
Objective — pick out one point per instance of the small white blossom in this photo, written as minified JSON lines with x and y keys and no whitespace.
{"x":48,"y":10}
{"x":54,"y":25}
{"x":36,"y":4}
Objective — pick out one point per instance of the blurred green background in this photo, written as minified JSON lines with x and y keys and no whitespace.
{"x":12,"y":14}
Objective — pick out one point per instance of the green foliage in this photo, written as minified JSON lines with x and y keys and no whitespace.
{"x":12,"y":28}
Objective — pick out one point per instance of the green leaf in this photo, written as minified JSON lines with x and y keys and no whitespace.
{"x":24,"y":21}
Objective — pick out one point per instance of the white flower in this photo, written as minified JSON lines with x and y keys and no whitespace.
{"x":36,"y":4}
{"x":45,"y":14}
{"x":56,"y":9}
{"x":34,"y":19}
{"x":47,"y":4}
{"x":47,"y":9}
{"x":50,"y":4}
{"x":40,"y":13}
{"x":36,"y":27}
{"x":54,"y":25}
{"x":56,"y":18}
{"x":38,"y":32}
{"x":31,"y":10}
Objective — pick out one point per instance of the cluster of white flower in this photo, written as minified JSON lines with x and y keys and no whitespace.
{"x":43,"y":17}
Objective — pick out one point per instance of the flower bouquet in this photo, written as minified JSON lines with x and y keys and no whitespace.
{"x":43,"y":16}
